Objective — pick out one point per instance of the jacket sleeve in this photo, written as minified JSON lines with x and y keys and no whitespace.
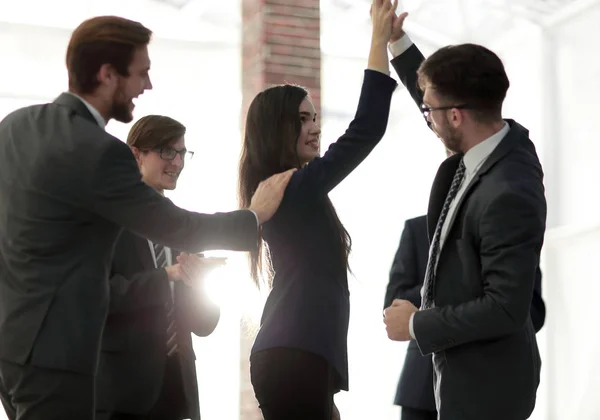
{"x":404,"y":282}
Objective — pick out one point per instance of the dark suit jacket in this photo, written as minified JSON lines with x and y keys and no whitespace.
{"x":415,"y":387}
{"x":133,"y":355}
{"x":486,"y":359}
{"x":309,"y":305}
{"x":66,"y":189}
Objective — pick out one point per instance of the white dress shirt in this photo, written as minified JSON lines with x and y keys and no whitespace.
{"x":93,"y":111}
{"x":473,"y":160}
{"x":169,"y":259}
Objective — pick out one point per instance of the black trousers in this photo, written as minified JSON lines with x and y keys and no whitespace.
{"x":34,"y":393}
{"x":416,"y":414}
{"x":171,"y":403}
{"x":292,"y":384}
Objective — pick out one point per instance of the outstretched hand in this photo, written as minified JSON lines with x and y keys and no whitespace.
{"x":195,"y":268}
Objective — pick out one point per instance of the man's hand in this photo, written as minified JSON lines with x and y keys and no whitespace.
{"x":174,"y":272}
{"x":268,"y":195}
{"x":398,"y":27}
{"x":397,"y":318}
{"x":195,"y":268}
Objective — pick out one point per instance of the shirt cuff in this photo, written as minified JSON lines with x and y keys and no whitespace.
{"x":411,"y":329}
{"x":400,"y":46}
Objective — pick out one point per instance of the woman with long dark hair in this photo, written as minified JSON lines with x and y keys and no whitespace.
{"x":299,"y":359}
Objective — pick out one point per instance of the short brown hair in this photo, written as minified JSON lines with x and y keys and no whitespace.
{"x":154,"y":132}
{"x":102,"y":40}
{"x":469,"y":74}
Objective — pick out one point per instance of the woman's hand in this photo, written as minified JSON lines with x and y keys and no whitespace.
{"x":383,"y":13}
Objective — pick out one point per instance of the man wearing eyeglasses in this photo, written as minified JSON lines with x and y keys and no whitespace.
{"x":486,"y":223}
{"x":147,"y":369}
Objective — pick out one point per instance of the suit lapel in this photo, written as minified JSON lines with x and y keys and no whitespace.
{"x":76,"y":106}
{"x":439,"y":191}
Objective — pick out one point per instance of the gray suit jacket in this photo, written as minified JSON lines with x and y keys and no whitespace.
{"x":66,"y":189}
{"x":486,"y":360}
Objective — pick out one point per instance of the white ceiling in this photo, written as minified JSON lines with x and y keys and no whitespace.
{"x":435,"y":22}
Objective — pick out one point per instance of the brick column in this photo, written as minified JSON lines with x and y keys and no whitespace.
{"x":280,"y":43}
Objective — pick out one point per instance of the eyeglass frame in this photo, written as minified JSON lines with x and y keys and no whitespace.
{"x":182,"y":153}
{"x":427,"y":110}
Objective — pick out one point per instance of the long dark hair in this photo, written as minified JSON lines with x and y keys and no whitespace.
{"x":272,"y":129}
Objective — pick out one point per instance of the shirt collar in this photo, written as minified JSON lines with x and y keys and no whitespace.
{"x":99,"y":119}
{"x":475,"y":157}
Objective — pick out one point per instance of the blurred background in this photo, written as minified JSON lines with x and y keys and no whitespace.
{"x":209,"y":58}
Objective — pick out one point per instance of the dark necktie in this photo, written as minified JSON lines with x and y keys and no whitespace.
{"x":161,"y":262}
{"x":429,"y":285}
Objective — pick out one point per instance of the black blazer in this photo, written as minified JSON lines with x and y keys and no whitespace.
{"x":133,"y":355}
{"x":308,"y":307}
{"x":66,"y":189}
{"x":486,"y":359}
{"x":415,"y":387}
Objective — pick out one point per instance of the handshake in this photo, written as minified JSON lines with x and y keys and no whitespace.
{"x":192,"y":268}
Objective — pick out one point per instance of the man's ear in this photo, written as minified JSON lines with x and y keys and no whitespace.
{"x":457,"y":117}
{"x":107,"y":75}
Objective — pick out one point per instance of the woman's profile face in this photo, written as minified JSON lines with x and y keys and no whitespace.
{"x":309,"y":141}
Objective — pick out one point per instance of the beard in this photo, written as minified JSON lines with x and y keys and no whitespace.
{"x":451,"y":138}
{"x":120,"y":108}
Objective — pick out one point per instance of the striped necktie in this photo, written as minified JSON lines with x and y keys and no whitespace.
{"x":435,"y":243}
{"x":160,"y":253}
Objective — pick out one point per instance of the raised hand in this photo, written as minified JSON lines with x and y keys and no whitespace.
{"x":382,"y":15}
{"x":397,"y":27}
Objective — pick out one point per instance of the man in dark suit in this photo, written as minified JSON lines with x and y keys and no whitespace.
{"x":147,"y":369}
{"x":415,"y":388}
{"x":486,"y":224}
{"x":66,"y":189}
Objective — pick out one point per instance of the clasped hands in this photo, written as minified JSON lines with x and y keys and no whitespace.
{"x":397,"y":319}
{"x":192,"y":268}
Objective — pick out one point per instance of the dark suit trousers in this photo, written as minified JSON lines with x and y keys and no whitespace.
{"x":171,"y":403}
{"x":416,"y":414}
{"x":35,"y":393}
{"x":292,"y":384}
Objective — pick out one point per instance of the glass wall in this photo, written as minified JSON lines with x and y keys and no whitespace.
{"x":554,"y":75}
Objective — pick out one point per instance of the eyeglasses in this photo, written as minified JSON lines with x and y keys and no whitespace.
{"x":426,"y":110}
{"x":168,"y":153}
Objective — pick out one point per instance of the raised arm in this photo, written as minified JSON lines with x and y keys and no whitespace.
{"x":406,"y":61}
{"x":368,"y":127}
